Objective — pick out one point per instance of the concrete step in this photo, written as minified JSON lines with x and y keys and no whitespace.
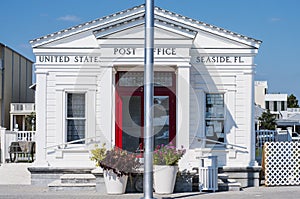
{"x":232,"y":181}
{"x":69,"y":182}
{"x":77,"y":178}
{"x":223,"y":176}
{"x":57,"y":185}
{"x":227,"y":184}
{"x":224,"y":183}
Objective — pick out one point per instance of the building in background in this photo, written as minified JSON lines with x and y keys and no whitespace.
{"x":276,"y":103}
{"x":15,"y":80}
{"x":260,"y":91}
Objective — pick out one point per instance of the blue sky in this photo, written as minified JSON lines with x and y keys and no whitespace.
{"x":275,"y":22}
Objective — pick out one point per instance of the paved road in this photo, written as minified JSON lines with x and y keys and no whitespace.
{"x":33,"y":192}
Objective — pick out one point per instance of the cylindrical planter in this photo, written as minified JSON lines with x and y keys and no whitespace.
{"x":164,"y":178}
{"x":113,"y":183}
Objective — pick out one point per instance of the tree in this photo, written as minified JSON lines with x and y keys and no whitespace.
{"x":30,"y":121}
{"x":292,"y":101}
{"x":267,"y":121}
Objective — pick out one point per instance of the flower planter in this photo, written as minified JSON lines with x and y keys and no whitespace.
{"x":113,"y":183}
{"x":164,"y":178}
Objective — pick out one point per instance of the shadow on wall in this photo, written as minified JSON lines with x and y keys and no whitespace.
{"x":208,"y":82}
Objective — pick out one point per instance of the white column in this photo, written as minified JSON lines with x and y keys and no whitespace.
{"x":112,"y":73}
{"x":12,"y":122}
{"x":106,"y":105}
{"x":23,"y":123}
{"x":250,"y":133}
{"x":3,"y":144}
{"x":60,"y":137}
{"x":91,"y":117}
{"x":183,"y":106}
{"x":41,"y":113}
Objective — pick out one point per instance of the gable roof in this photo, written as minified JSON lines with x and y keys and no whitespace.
{"x":139,"y":11}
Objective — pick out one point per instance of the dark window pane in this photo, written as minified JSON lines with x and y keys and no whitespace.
{"x":75,"y":117}
{"x":75,"y":130}
{"x":282,"y":106}
{"x":76,"y":105}
{"x":267,"y":105}
{"x":275,"y":106}
{"x":214,"y":106}
{"x":214,"y":127}
{"x":215,"y":131}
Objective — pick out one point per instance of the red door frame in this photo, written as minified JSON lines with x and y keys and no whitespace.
{"x":138,"y":91}
{"x":128,"y":91}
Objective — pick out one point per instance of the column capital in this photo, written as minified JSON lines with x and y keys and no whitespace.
{"x":185,"y":65}
{"x":108,"y":64}
{"x":41,"y":72}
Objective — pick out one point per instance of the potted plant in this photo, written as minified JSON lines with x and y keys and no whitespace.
{"x":165,"y":159}
{"x":117,"y":164}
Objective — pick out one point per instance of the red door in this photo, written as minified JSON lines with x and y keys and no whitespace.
{"x":130,"y":111}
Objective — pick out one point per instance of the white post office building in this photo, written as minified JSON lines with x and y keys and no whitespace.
{"x":90,"y":91}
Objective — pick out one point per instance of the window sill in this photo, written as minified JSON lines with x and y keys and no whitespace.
{"x":59,"y":153}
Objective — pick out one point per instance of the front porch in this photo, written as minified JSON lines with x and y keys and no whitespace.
{"x":17,"y":146}
{"x":18,"y":143}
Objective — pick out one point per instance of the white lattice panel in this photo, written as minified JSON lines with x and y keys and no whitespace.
{"x":282,"y":163}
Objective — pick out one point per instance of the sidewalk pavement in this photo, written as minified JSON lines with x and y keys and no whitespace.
{"x":14,"y":173}
{"x":34,"y":192}
{"x":15,"y":184}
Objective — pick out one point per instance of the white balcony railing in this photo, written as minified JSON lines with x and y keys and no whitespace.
{"x":293,"y":110}
{"x":25,"y":135}
{"x":22,"y":107}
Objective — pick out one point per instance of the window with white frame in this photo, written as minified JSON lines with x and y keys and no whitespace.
{"x":75,"y":117}
{"x":214,"y":119}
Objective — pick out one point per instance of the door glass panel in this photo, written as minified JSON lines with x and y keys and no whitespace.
{"x":137,"y":79}
{"x":161,"y":120}
{"x":131,"y":122}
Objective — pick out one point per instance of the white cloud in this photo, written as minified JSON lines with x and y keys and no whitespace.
{"x":44,"y":15}
{"x":71,"y":18}
{"x":275,"y":19}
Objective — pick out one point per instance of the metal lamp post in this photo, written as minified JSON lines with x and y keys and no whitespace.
{"x":148,"y":97}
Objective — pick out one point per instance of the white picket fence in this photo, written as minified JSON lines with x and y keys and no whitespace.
{"x":263,"y":136}
{"x":281,"y":163}
{"x":7,"y":137}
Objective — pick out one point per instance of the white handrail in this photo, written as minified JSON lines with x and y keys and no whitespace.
{"x":225,"y":144}
{"x":71,"y":142}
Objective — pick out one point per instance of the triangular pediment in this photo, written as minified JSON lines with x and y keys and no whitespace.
{"x":137,"y":32}
{"x":135,"y":35}
{"x":129,"y":24}
{"x":209,"y":41}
